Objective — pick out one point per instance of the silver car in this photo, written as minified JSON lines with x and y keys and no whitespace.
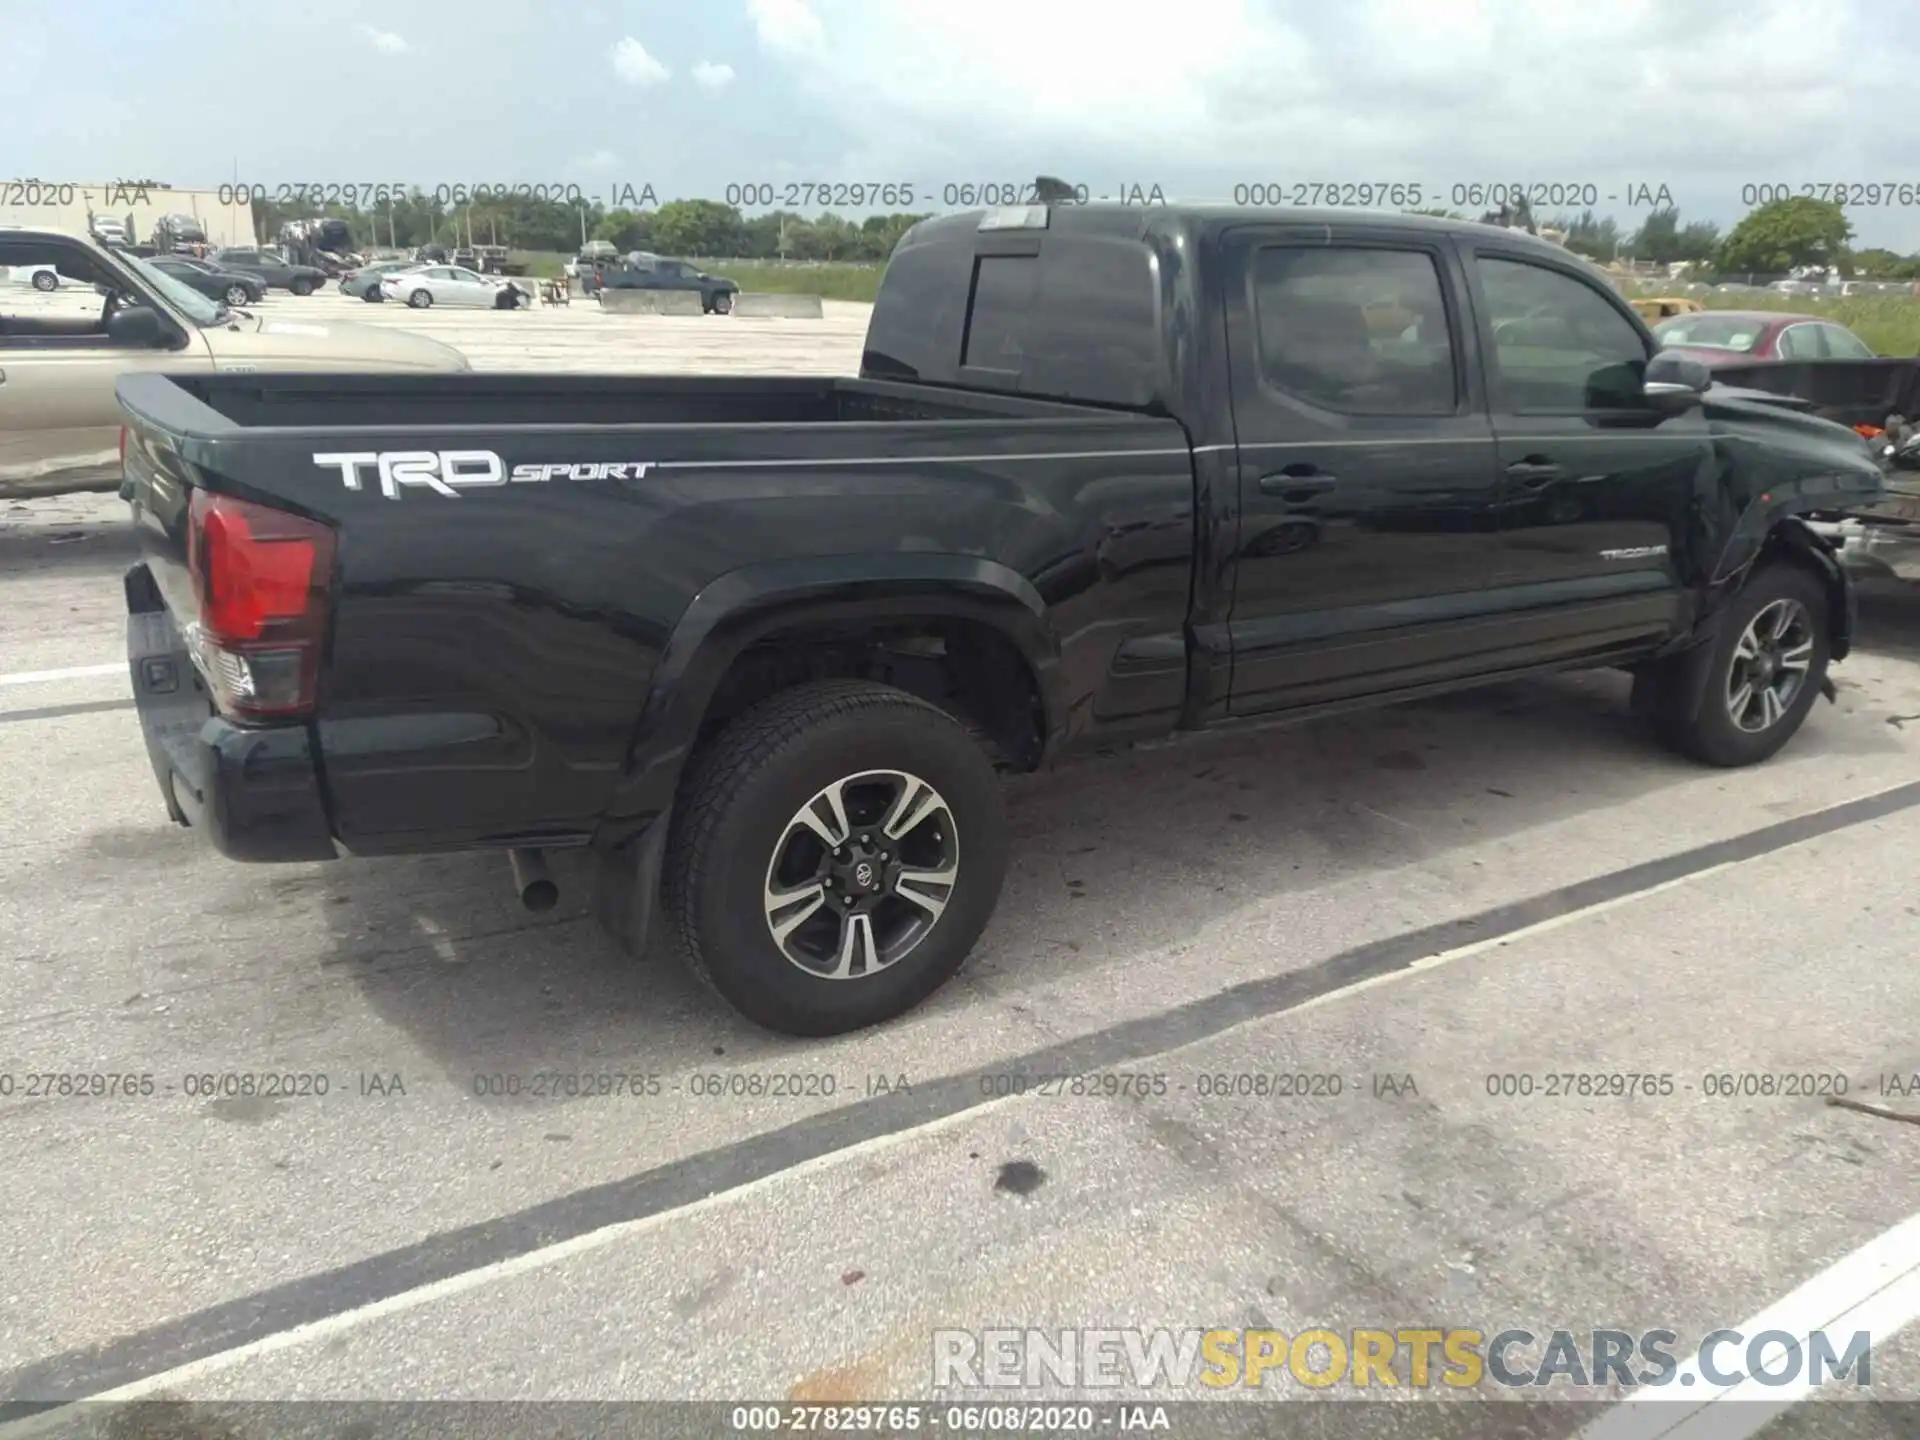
{"x":451,"y":285}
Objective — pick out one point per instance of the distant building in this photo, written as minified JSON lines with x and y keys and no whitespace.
{"x":72,"y":206}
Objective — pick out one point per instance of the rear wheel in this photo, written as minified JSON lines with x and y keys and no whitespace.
{"x":1762,"y":674}
{"x":835,"y":853}
{"x":420,"y":299}
{"x":44,"y":280}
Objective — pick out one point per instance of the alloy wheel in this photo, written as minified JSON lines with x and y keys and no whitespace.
{"x":861,"y":874}
{"x":1770,"y":665}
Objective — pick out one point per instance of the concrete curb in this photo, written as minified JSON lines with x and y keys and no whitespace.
{"x":651,"y":302}
{"x":778,"y":307}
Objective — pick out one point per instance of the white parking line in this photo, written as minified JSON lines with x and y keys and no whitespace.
{"x":72,"y":672}
{"x":1876,"y":1289}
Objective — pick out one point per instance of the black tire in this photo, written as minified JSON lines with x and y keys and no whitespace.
{"x":1711,"y":734}
{"x":238,"y":295}
{"x":373,"y":297}
{"x":301,"y":287}
{"x":45,"y":281}
{"x":733,"y":811}
{"x":722,"y":305}
{"x":420,"y":299}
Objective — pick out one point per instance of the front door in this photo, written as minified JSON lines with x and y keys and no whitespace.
{"x":59,"y":416}
{"x":1368,"y":544}
{"x":1600,"y":487}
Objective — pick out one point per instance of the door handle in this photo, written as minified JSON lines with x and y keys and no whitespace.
{"x":1298,"y":483}
{"x":1534,"y":471}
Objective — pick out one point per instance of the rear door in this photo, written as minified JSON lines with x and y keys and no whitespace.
{"x":1367,"y":485}
{"x":1598,"y":485}
{"x":464,"y":287}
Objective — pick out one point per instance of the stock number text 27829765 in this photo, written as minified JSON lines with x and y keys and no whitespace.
{"x":366,"y":194}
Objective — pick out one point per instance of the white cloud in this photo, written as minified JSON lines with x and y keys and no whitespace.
{"x":1436,"y":92}
{"x":712,"y":76}
{"x":385,"y":41}
{"x":790,"y":26}
{"x":633,"y":64}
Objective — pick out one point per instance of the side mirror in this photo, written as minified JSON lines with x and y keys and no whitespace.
{"x":1675,"y":383}
{"x":137,"y":326}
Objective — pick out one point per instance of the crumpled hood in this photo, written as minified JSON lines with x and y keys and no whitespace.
{"x":1765,"y":415}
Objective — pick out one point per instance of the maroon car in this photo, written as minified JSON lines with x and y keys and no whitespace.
{"x":1739,"y":337}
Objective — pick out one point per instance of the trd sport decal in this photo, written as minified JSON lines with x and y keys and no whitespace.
{"x":448,"y":472}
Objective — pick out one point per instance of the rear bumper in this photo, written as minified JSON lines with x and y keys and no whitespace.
{"x":253,"y":790}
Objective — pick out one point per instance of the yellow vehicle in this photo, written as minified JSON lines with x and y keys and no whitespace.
{"x":1666,"y":307}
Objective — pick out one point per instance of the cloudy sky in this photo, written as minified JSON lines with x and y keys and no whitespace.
{"x":1704,"y":97}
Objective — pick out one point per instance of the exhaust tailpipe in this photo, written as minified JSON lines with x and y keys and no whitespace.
{"x":531,"y":878}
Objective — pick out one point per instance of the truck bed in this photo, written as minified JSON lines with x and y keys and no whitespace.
{"x":436,"y":401}
{"x":492,"y":641}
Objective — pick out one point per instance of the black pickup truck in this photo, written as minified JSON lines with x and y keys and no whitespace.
{"x":1106,"y":473}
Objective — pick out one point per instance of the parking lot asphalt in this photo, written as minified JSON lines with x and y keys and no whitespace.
{"x":1429,"y":909}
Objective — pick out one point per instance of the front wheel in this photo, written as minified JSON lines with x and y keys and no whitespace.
{"x":301,"y":287}
{"x":723,"y":304}
{"x":1762,"y":674}
{"x":835,"y":853}
{"x":419,"y":299}
{"x":237,"y":295}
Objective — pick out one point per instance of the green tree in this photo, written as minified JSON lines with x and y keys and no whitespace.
{"x":828,"y":237}
{"x":697,"y":227}
{"x":626,"y":229}
{"x":1878,"y":264}
{"x":1594,"y":236}
{"x":1786,"y":235}
{"x":1663,"y":239}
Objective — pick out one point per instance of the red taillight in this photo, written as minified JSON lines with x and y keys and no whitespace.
{"x":262,"y":578}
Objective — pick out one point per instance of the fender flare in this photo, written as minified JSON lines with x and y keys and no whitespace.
{"x":742,"y":606}
{"x":1685,"y":671}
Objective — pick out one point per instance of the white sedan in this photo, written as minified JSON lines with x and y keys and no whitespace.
{"x":451,"y":285}
{"x":41,"y":277}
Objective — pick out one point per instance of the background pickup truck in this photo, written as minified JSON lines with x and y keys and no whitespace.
{"x":759,"y":643}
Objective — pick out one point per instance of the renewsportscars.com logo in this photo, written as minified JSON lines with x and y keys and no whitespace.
{"x":1385,"y":1360}
{"x":448,"y":472}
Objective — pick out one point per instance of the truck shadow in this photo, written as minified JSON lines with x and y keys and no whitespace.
{"x":1116,"y":856}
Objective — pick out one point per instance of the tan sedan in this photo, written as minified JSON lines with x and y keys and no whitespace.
{"x":62,"y":347}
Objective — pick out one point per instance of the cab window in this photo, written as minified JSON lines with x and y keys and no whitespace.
{"x":1843,"y":344}
{"x":1801,"y":342}
{"x":48,"y":298}
{"x":1559,"y":345}
{"x":1358,"y":330}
